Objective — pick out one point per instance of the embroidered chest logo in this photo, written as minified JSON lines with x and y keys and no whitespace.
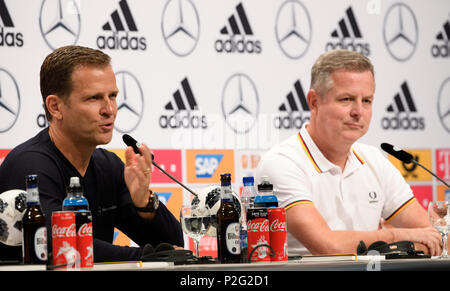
{"x":373,"y":197}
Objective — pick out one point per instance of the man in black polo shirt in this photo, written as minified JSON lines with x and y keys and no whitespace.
{"x":79,"y":91}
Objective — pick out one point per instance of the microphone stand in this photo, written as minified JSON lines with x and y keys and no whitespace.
{"x":417,"y":163}
{"x":173,"y":178}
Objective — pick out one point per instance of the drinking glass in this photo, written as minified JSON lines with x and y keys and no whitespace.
{"x":194,"y":224}
{"x":440,"y":219}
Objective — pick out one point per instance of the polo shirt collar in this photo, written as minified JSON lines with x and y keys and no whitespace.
{"x":319,"y":161}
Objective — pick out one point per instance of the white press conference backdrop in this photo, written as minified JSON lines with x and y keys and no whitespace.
{"x":211,"y":74}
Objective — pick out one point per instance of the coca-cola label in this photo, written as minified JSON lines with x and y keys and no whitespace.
{"x":85,"y":230}
{"x":277,"y":225}
{"x":258,"y":238}
{"x":233,"y":238}
{"x":261,"y":225}
{"x":278,"y":233}
{"x":63,"y":231}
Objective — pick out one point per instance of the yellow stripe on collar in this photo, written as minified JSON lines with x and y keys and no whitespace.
{"x":308,"y":153}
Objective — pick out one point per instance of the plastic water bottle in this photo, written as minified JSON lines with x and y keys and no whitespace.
{"x":247,"y":197}
{"x":75,"y":201}
{"x":265,"y":197}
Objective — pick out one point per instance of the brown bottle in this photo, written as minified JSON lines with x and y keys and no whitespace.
{"x":228,"y":227}
{"x":34,"y":240}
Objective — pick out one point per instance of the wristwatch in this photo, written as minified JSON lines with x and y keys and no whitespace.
{"x":152,"y":205}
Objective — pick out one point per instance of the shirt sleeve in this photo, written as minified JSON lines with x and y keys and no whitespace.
{"x":398,"y":192}
{"x":290,"y":183}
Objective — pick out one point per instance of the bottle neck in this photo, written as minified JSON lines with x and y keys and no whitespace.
{"x":226,"y":193}
{"x":265,"y":192}
{"x":33,"y":195}
{"x":74,"y":191}
{"x":74,"y":194}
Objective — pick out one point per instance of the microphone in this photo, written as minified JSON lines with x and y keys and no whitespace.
{"x":129,"y":141}
{"x":400,"y":154}
{"x":406,"y":158}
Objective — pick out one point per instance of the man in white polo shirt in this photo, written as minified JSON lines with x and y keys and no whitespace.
{"x":334,"y":189}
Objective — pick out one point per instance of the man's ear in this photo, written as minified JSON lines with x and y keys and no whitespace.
{"x":313,"y":98}
{"x":54,"y":104}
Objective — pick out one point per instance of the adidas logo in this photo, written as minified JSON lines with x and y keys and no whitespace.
{"x":238,"y":26}
{"x":121,"y":24}
{"x":8,"y":38}
{"x":295,"y":110}
{"x":345,"y":24}
{"x":185,"y":110}
{"x":179,"y":100}
{"x":445,"y":34}
{"x":399,"y":104}
{"x":442,"y":49}
{"x":403,"y":106}
{"x":234,"y":26}
{"x":347,"y":33}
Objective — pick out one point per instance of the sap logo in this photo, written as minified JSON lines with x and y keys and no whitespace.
{"x":206,"y":165}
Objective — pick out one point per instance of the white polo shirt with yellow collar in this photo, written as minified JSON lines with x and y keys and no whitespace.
{"x":368,"y":189}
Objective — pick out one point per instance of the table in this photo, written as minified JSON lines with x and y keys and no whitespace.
{"x":361,"y":263}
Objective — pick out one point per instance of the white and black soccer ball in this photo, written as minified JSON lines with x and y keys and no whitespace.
{"x":13,"y":204}
{"x":208,"y":202}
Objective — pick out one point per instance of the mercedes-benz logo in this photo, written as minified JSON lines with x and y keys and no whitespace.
{"x":130,"y":102}
{"x":293,"y":29}
{"x":240,"y":103}
{"x":400,"y":32}
{"x":443,"y":105}
{"x":60,"y":22}
{"x":9,"y":100}
{"x":180,"y":26}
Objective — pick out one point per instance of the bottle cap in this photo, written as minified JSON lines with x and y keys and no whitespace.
{"x":265,"y":184}
{"x":248,"y":180}
{"x":31,"y":178}
{"x":74,"y":181}
{"x":225,"y":179}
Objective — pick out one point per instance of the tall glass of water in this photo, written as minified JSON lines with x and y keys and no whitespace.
{"x":438,"y":213}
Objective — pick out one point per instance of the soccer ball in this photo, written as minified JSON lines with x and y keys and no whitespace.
{"x":207,"y":202}
{"x":12,"y":208}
